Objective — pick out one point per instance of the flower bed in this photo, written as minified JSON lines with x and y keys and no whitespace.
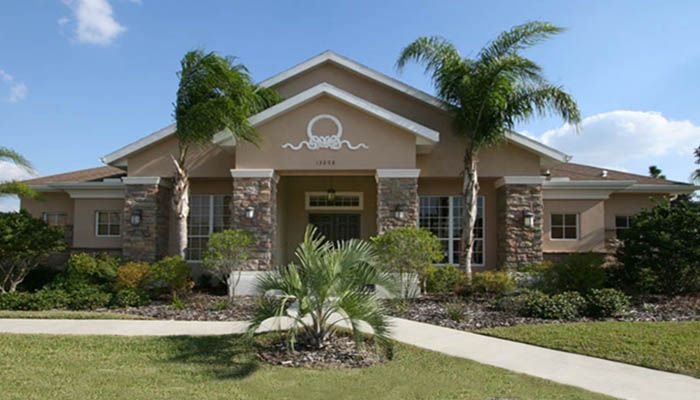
{"x":196,"y":307}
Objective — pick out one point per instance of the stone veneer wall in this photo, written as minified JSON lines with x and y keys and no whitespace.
{"x":149,"y":240}
{"x":392,"y":192}
{"x":519,"y":245}
{"x":261,"y":194}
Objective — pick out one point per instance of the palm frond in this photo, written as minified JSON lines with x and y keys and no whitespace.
{"x":518,"y":38}
{"x":543,"y":100}
{"x":9,"y":155}
{"x":14,"y":188}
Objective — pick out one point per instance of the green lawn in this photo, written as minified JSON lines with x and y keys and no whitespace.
{"x":670,"y":346}
{"x":224,"y":367}
{"x":66,"y":315}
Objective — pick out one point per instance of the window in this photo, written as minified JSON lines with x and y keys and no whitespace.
{"x":442,"y":215}
{"x":564,"y":226}
{"x":316,"y":201}
{"x":622,"y":223}
{"x":208,"y":214}
{"x":107,"y":223}
{"x":54,"y":218}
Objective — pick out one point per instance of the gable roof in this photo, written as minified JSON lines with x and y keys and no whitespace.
{"x":360,"y":69}
{"x":580,"y":172}
{"x":83,"y":175}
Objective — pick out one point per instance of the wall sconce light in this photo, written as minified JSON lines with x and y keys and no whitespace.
{"x":249,"y":212}
{"x":528,"y":219}
{"x":330,"y":195}
{"x":136,"y":216}
{"x":399,"y":212}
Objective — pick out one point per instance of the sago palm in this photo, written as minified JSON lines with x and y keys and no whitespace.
{"x":331,"y":287}
{"x":215,"y":94}
{"x":487,"y":95}
{"x":13,"y":187}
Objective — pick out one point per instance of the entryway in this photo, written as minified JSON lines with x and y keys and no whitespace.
{"x":337,"y":226}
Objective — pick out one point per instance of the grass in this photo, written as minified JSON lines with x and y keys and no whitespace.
{"x":59,"y":314}
{"x":225,"y":367}
{"x":669,"y":346}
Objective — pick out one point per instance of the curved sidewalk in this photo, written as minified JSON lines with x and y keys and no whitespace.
{"x":594,"y":374}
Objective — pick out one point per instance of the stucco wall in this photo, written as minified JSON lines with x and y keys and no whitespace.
{"x":591,"y":233}
{"x":388,"y":145}
{"x":445,"y":160}
{"x":84,"y":235}
{"x":625,"y":204}
{"x":291,"y":194}
{"x":207,"y":161}
{"x":51,"y":202}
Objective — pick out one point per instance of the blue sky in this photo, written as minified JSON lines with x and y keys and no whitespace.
{"x":81,"y":78}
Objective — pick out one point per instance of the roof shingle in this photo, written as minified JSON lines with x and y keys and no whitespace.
{"x":83,"y":175}
{"x":580,"y":172}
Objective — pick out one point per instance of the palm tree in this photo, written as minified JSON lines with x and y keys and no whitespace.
{"x":487,"y":96}
{"x":214,"y":95}
{"x":695,"y":177}
{"x":331,"y":285}
{"x":655,"y":172}
{"x":14,"y":188}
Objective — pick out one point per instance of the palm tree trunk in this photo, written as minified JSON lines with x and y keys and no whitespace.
{"x":470,"y":190}
{"x":181,"y":203}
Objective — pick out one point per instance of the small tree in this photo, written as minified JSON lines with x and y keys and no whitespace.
{"x":225,"y":255}
{"x":24,"y":242}
{"x":660,"y":253}
{"x":655,"y":172}
{"x":408,"y":252}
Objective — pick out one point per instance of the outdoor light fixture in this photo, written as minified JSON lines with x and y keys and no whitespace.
{"x":249,"y":212}
{"x":399,"y":212}
{"x":528,"y":219}
{"x":330,"y":193}
{"x":136,"y":217}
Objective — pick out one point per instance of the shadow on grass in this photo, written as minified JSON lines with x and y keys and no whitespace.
{"x":225,"y":357}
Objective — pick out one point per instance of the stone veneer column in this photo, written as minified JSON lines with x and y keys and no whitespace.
{"x":147,"y":241}
{"x":396,"y":188}
{"x":256,"y":189}
{"x":519,"y":245}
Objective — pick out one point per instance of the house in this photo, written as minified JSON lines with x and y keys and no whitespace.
{"x":354,"y":152}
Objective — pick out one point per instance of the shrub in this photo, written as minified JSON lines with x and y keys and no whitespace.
{"x":14,"y":301}
{"x":580,"y":272}
{"x":24,"y":242}
{"x":133,"y":275}
{"x":173,"y":273}
{"x":130,"y":298}
{"x":494,"y":283}
{"x":567,"y":306}
{"x":532,"y":276}
{"x":443,"y":279}
{"x":407,"y":252}
{"x":455,"y":310}
{"x":226,"y":253}
{"x":88,"y":298}
{"x":536,"y":304}
{"x":660,"y":252}
{"x":603,"y":303}
{"x":47,"y":299}
{"x":92,"y":268}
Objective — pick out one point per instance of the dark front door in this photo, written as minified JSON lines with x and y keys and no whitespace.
{"x":337,"y":226}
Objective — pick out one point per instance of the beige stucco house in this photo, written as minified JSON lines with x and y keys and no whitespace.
{"x":354,"y":152}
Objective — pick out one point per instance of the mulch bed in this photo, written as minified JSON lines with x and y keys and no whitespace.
{"x":198,"y":307}
{"x":482,"y":313}
{"x":339,"y":352}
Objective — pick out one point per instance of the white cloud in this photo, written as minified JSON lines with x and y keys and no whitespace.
{"x":8,"y":204}
{"x":619,"y":138}
{"x":95,"y":23}
{"x":11,"y":172}
{"x":18,"y":90}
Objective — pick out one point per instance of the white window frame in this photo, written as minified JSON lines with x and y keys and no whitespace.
{"x":450,"y":232}
{"x":47,"y":215}
{"x":97,"y":223}
{"x":211,"y":198}
{"x":309,"y":207}
{"x":564,"y":226}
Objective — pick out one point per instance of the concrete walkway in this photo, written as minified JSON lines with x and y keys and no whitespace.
{"x":594,"y":374}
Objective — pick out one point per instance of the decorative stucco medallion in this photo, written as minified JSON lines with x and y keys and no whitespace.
{"x":332,"y":142}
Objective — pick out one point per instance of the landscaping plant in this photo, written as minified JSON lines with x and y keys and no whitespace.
{"x":407,"y":253}
{"x":226,"y":253}
{"x":172,"y":273}
{"x":491,"y":283}
{"x":603,"y":303}
{"x":487,"y":96}
{"x":444,"y":279}
{"x":330,"y":284}
{"x":24,"y":243}
{"x":580,"y":272}
{"x":660,"y":252}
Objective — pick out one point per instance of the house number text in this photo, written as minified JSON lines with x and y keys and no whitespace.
{"x":325,"y":162}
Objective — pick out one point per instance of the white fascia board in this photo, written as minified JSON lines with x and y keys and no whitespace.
{"x":537,"y":147}
{"x":571,"y":194}
{"x":95,"y":193}
{"x":139,"y":144}
{"x":86,"y":185}
{"x":327,"y":89}
{"x":661,"y":188}
{"x":254,"y":173}
{"x":398,"y":173}
{"x":354,"y":66}
{"x":520,"y":180}
{"x":587,"y":185}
